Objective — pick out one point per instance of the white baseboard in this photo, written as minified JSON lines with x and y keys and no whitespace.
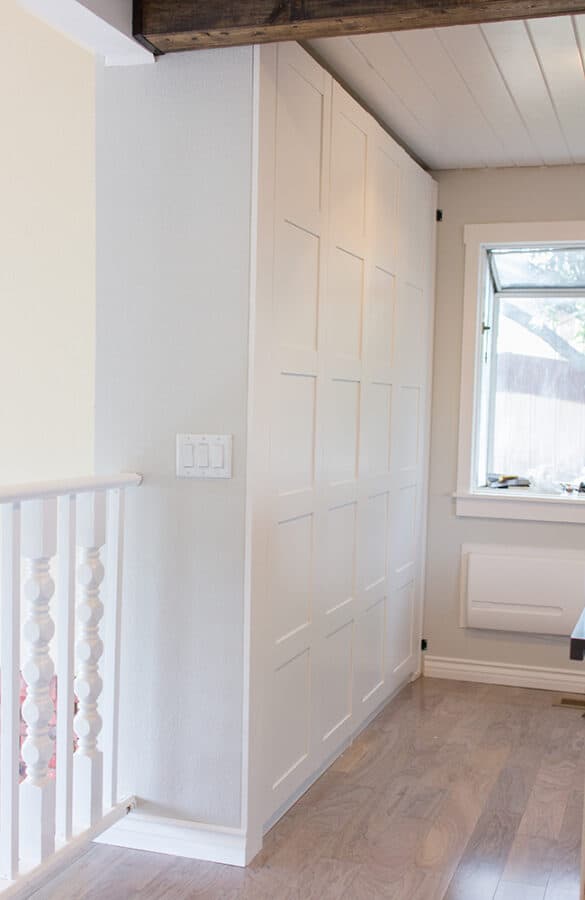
{"x":513,"y":675}
{"x":180,"y":837}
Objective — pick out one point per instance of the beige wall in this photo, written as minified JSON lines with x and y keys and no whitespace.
{"x":47,"y":251}
{"x":482,"y":196}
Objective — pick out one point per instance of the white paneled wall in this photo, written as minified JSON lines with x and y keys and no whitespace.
{"x":342,"y":331}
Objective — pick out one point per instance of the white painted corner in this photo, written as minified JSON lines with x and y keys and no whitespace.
{"x":103,"y":27}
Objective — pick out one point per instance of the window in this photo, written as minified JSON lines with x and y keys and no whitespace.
{"x":523,"y":374}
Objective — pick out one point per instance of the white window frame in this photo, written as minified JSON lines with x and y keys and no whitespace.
{"x":471,"y":500}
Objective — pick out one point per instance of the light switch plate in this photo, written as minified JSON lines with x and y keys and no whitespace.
{"x":204,"y":456}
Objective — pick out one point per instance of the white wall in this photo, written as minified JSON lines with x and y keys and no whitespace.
{"x":47,"y":252}
{"x":482,"y":196}
{"x":173,"y":244}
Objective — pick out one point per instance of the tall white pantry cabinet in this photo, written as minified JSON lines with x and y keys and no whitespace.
{"x":342,"y":318}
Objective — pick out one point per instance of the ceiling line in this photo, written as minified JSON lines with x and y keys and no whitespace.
{"x":535,"y":146}
{"x":472,"y":95}
{"x":362,"y":101}
{"x":579,"y":44}
{"x":548,"y":89}
{"x":423,"y":80}
{"x":376,"y":71}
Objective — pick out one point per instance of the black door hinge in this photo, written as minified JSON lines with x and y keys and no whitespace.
{"x":423,"y":644}
{"x":439,"y":215}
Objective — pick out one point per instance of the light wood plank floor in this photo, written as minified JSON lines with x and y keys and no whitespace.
{"x":456,"y":791}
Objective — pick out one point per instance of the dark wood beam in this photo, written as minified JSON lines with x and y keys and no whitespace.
{"x":170,"y":25}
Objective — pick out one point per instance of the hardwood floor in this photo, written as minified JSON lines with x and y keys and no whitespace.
{"x":456,"y":791}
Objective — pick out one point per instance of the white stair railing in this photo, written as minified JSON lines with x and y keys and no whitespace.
{"x":61,"y":546}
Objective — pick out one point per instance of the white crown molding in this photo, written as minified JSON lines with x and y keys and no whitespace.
{"x":180,"y":837}
{"x":568,"y":680}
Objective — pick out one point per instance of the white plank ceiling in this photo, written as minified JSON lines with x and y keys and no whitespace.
{"x":502,"y":94}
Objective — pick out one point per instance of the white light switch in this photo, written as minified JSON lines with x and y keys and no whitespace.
{"x":204,"y":456}
{"x":188,"y":456}
{"x":217,"y":456}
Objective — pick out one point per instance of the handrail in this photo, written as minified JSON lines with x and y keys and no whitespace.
{"x":60,"y":488}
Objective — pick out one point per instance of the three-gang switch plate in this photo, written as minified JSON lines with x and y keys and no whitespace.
{"x":204,"y":456}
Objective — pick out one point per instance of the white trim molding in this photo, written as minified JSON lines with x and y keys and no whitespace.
{"x":521,"y":504}
{"x":565,"y":680}
{"x":470,"y":500}
{"x":180,"y":837}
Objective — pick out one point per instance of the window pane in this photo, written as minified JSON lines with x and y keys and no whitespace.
{"x":562,"y":267}
{"x":538,"y":417}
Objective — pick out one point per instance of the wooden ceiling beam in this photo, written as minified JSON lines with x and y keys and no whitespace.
{"x":170,"y":25}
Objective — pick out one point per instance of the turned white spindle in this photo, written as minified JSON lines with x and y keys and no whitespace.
{"x":65,"y":619}
{"x":37,"y":792}
{"x":111,"y":631}
{"x":87,"y":761}
{"x":10,"y":681}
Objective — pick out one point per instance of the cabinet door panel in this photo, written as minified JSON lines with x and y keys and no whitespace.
{"x":342,"y":335}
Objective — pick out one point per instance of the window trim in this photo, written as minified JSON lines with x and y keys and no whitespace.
{"x":485,"y":502}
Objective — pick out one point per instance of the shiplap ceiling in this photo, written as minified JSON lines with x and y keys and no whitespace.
{"x":502,"y":94}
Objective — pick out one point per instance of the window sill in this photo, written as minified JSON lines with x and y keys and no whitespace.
{"x":524,"y":504}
